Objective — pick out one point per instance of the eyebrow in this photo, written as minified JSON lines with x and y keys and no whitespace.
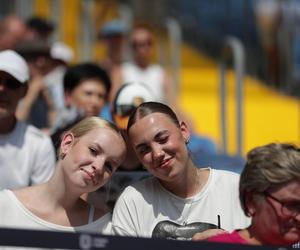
{"x":113,"y":160}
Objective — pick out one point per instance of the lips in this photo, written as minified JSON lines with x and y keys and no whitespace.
{"x":91,"y":175}
{"x":165,"y":163}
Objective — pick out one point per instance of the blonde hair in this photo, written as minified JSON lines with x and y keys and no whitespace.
{"x":89,"y":123}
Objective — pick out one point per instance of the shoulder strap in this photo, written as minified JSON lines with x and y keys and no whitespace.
{"x":91,"y":214}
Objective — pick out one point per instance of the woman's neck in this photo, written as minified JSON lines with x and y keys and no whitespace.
{"x":57,"y":190}
{"x":189,"y":183}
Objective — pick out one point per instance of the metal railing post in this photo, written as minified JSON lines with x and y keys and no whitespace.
{"x":23,"y":8}
{"x":232,"y":48}
{"x":56,"y":11}
{"x":175,"y":39}
{"x":126,"y":16}
{"x":87,"y":37}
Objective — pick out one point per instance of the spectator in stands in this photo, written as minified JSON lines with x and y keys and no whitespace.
{"x":113,"y":33}
{"x":39,"y":28}
{"x":86,"y":89}
{"x":26,"y":154}
{"x":90,"y":152}
{"x":45,"y":98}
{"x":268,"y":15}
{"x":60,"y":56}
{"x":12,"y":30}
{"x":181,"y":199}
{"x":129,"y":97}
{"x":37,"y":107}
{"x":143,"y":70}
{"x":270,"y":195}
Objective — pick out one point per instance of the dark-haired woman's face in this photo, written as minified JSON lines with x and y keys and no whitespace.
{"x":89,"y":97}
{"x":160,"y":145}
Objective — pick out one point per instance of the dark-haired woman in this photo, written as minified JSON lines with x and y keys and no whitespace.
{"x":180,"y":199}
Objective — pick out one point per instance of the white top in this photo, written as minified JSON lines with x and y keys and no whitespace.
{"x":147,"y":209}
{"x":26,"y":157}
{"x":13,"y":214}
{"x":152,"y":76}
{"x":54,"y":83}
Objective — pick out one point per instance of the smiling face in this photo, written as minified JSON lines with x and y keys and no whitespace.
{"x":90,"y":160}
{"x":274,"y":224}
{"x":89,"y":97}
{"x":160,"y":145}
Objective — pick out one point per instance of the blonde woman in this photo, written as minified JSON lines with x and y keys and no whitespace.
{"x":90,"y":152}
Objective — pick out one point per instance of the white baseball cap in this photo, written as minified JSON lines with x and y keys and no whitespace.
{"x":130,"y":91}
{"x":61,"y":51}
{"x":129,"y":96}
{"x":15,"y":65}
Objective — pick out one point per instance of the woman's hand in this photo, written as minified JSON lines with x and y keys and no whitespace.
{"x":207,"y":234}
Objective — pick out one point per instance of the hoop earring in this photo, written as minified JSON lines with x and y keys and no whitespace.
{"x":187,"y":140}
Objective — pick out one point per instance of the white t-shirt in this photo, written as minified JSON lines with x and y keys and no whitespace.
{"x":152,"y":77}
{"x":26,"y":157}
{"x":146,"y":209}
{"x":54,"y":83}
{"x":13,"y":214}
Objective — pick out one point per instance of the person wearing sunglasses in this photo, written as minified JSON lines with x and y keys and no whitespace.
{"x":26,"y":154}
{"x":142,"y":68}
{"x":270,"y":195}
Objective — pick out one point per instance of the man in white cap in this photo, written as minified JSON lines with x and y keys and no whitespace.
{"x":26,"y":154}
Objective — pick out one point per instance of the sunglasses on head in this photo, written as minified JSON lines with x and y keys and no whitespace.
{"x":10,"y":83}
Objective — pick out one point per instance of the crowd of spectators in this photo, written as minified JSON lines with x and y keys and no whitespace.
{"x":75,"y":135}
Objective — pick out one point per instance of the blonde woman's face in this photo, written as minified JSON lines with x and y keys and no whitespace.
{"x":91,"y":159}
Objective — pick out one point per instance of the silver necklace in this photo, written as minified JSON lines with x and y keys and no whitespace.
{"x":185,"y":215}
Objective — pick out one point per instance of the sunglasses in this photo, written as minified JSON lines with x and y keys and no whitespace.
{"x":141,"y":44}
{"x":10,"y":83}
{"x":124,"y":110}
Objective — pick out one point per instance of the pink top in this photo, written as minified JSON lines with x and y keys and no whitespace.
{"x":233,"y":237}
